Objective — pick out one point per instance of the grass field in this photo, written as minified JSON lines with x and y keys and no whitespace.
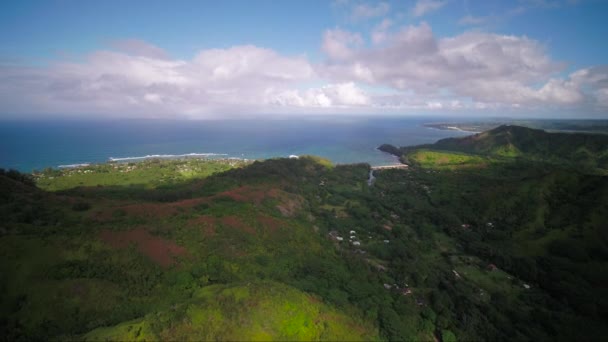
{"x":446,"y":160}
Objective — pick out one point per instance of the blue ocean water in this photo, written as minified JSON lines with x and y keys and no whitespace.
{"x":29,"y":145}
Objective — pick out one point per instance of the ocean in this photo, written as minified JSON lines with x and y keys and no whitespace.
{"x":32,"y":145}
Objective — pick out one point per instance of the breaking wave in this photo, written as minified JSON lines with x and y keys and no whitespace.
{"x":168,"y":156}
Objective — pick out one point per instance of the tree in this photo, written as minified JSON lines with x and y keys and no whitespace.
{"x":448,"y":336}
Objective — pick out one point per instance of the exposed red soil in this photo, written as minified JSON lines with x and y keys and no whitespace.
{"x":246,"y":194}
{"x":161,"y":251}
{"x":288,"y":205}
{"x":206,"y":223}
{"x":235,"y":222}
{"x":269,"y":223}
{"x":149,"y":210}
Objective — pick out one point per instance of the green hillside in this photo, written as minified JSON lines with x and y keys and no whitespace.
{"x":581,"y":149}
{"x":460,"y":246}
{"x":261,"y":311}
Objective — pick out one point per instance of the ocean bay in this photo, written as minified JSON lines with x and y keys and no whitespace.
{"x":26,"y":145}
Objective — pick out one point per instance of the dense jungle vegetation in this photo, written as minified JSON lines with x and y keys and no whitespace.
{"x":490,"y":237}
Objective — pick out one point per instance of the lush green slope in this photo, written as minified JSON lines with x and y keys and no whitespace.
{"x":584,"y":150}
{"x":266,"y":252}
{"x":259,"y":311}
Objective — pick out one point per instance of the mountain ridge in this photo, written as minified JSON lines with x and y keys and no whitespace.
{"x":510,"y":141}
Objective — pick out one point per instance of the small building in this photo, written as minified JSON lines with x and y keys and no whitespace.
{"x":466,"y":225}
{"x":492,"y":267}
{"x":386,"y":241}
{"x":526,"y":286}
{"x":356,"y":243}
{"x":339,"y":238}
{"x":387,"y":286}
{"x":406,"y":291}
{"x":353,"y":232}
{"x":381,"y":268}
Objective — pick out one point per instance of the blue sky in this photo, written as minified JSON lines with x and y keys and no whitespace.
{"x":200,"y":59}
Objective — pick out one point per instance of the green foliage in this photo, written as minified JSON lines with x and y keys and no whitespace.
{"x":252,"y":253}
{"x":263,"y":310}
{"x":444,"y":160}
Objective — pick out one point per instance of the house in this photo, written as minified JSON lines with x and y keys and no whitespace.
{"x":387,"y":286}
{"x":380,"y":268}
{"x":490,"y":225}
{"x":334,"y":236}
{"x":406,"y":291}
{"x":466,"y":225}
{"x":456,"y":274}
{"x":526,"y":286}
{"x":492,"y":267}
{"x":352,"y":237}
{"x":386,"y":241}
{"x":356,"y":243}
{"x":353,"y":232}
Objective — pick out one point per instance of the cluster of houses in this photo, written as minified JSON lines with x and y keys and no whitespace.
{"x":405,"y":291}
{"x":353,"y":239}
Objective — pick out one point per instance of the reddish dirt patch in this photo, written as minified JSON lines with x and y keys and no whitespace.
{"x":235,"y":222}
{"x":152,"y":210}
{"x":149,"y":210}
{"x":245,"y":194}
{"x":206,"y":223}
{"x":161,"y":251}
{"x":269,"y":222}
{"x":289,"y":204}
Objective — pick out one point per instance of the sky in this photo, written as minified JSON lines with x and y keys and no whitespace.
{"x":227,"y":59}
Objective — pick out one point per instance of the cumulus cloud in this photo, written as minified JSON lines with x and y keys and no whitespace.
{"x":380,"y":32}
{"x":474,"y":20}
{"x":399,"y":69}
{"x":497,"y":70}
{"x":365,"y":11}
{"x":137,"y":47}
{"x":344,"y":95}
{"x":112,"y":81}
{"x":423,"y":7}
{"x":339,"y":44}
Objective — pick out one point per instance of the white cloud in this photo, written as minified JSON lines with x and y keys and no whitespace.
{"x":365,"y":11}
{"x":473,"y":20}
{"x":483,"y":67}
{"x":137,"y":47}
{"x":380,"y":32}
{"x":339,"y":44}
{"x":400,"y":69}
{"x":332,"y":95}
{"x":423,"y":7}
{"x":214,"y":80}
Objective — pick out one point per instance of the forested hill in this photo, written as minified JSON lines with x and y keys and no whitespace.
{"x":585,"y":149}
{"x":460,"y":246}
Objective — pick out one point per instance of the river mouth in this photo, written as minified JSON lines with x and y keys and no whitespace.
{"x":371,"y":179}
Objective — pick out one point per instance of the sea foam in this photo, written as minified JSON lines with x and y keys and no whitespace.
{"x":167,"y":156}
{"x":71,"y":166}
